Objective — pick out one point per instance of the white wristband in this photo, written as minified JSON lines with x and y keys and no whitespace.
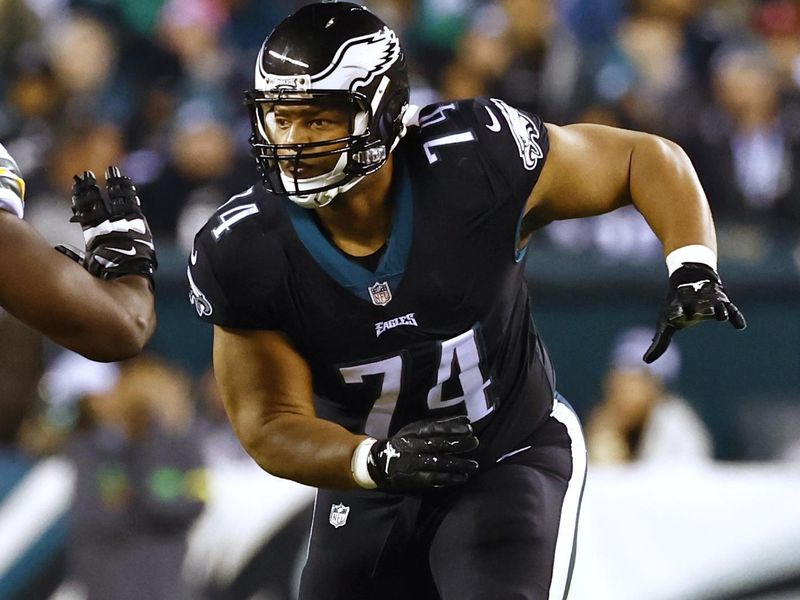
{"x":695,"y":253}
{"x":358,"y":464}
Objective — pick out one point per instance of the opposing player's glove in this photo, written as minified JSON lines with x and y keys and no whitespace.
{"x":421,"y":456}
{"x":118,"y":239}
{"x":695,"y":294}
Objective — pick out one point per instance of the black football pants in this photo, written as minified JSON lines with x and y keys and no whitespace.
{"x":508,"y":534}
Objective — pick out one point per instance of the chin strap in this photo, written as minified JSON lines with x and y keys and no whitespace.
{"x":319,"y":199}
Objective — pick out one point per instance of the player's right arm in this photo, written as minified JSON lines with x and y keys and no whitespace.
{"x":103,"y":320}
{"x":267,"y":390}
{"x":266,"y":387}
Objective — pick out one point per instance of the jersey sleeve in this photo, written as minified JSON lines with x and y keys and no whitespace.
{"x":12,"y":186}
{"x":514,"y":142}
{"x":235,"y":275}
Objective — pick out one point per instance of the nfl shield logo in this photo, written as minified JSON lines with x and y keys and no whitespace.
{"x":339,"y":514}
{"x":380,"y":293}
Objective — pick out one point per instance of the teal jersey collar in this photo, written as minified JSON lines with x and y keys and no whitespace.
{"x":348,"y":273}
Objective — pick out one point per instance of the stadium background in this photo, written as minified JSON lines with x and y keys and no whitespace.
{"x":156,"y":86}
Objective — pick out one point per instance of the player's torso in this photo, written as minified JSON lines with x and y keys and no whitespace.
{"x":444,"y":285}
{"x":442,"y":326}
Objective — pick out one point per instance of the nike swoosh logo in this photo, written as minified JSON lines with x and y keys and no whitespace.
{"x":495,"y":126}
{"x":128,"y":252}
{"x":193,"y":257}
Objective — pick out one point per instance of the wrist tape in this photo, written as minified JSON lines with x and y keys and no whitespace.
{"x":695,"y":253}
{"x":358,"y":464}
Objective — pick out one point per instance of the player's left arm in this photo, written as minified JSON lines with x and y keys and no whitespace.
{"x":594,"y":169}
{"x":106,"y":317}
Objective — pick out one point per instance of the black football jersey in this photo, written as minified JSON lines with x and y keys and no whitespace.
{"x":442,"y":326}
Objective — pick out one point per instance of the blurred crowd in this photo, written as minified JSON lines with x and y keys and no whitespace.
{"x":157,"y":87}
{"x":127,"y":449}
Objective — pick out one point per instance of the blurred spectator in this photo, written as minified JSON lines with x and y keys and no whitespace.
{"x":481,"y":56}
{"x":140,"y":484}
{"x":151,"y":77}
{"x":192,"y":29}
{"x":518,"y":50}
{"x":203,"y":169}
{"x":88,"y":81}
{"x":20,"y":369}
{"x":434,"y":36}
{"x":746,"y":151}
{"x":32,"y":542}
{"x":778,"y":22}
{"x":69,"y":379}
{"x":638,"y":418}
{"x":34,"y":101}
{"x":544,"y":74}
{"x":646,"y":71}
{"x":19,"y":27}
{"x":93,"y":146}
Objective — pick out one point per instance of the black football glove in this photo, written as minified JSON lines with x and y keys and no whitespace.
{"x":695,"y":294}
{"x":118,"y":239}
{"x":422,"y":456}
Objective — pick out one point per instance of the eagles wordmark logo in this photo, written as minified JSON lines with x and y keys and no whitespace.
{"x":384,"y":326}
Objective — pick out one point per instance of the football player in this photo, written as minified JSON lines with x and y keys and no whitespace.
{"x":373,"y":334}
{"x":101,"y":302}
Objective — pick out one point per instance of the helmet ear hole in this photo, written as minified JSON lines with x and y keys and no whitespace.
{"x":391,"y":125}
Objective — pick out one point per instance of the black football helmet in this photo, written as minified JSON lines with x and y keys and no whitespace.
{"x":329,"y":53}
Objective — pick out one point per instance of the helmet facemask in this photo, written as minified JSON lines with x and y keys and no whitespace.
{"x":327,"y":54}
{"x":313,"y":172}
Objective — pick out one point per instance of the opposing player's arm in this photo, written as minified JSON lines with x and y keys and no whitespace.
{"x":102,"y":319}
{"x":266,"y":387}
{"x":593,"y":169}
